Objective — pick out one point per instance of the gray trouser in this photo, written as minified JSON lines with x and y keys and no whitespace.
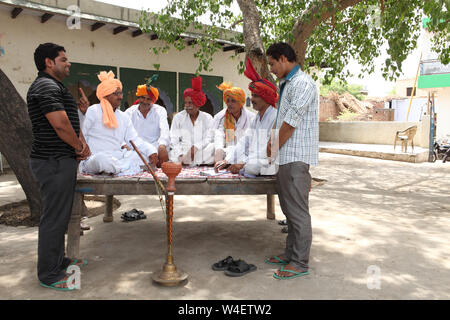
{"x":293,"y":183}
{"x":57,"y":179}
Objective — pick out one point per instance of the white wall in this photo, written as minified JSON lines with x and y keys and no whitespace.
{"x":442,"y":102}
{"x":22,"y":35}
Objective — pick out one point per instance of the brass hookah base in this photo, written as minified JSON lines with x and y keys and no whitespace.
{"x":170,"y":276}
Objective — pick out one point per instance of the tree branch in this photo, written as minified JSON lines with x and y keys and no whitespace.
{"x":308,"y":21}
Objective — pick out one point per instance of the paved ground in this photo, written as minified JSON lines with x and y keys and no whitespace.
{"x":380,"y":231}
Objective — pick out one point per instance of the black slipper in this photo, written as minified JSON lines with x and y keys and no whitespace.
{"x":239,"y":268}
{"x":222,"y":264}
{"x":282,"y":222}
{"x":133,"y":215}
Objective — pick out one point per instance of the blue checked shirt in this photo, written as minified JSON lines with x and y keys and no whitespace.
{"x":299,"y":107}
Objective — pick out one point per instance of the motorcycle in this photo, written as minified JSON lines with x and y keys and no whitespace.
{"x":441,"y":151}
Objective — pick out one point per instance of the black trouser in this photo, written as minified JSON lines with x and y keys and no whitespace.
{"x":57,"y":179}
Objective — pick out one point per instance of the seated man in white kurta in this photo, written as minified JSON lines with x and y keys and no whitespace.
{"x":107,"y":129}
{"x":150,"y":121}
{"x":190,"y":133}
{"x":250,"y":152}
{"x":231,"y":123}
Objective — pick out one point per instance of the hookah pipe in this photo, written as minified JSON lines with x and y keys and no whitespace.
{"x":169,"y":276}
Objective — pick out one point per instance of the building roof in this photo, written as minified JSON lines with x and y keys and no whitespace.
{"x":98,"y":15}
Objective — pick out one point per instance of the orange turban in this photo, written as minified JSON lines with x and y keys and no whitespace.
{"x":196,"y":93}
{"x":229,"y":121}
{"x":259,"y":86}
{"x":143,"y":90}
{"x":107,"y":86}
{"x":234,"y":92}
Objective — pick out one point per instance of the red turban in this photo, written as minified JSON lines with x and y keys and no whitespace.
{"x":259,"y":86}
{"x":196,"y":93}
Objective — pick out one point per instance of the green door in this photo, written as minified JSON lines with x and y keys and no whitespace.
{"x":166,"y":85}
{"x":214,"y":96}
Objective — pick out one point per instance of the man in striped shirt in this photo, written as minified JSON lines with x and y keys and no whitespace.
{"x":296,"y":147}
{"x":57,"y":145}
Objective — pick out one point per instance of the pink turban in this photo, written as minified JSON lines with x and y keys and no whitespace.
{"x":196,"y":93}
{"x":107,"y":86}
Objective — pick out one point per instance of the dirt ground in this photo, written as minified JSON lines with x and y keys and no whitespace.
{"x":381,"y":230}
{"x":17,"y":214}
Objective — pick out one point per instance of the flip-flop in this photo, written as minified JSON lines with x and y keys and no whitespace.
{"x":282,"y":222}
{"x":54,"y":286}
{"x":280,"y":263}
{"x":79,"y":263}
{"x":222,"y":265}
{"x":295,"y":274}
{"x":239,"y":268}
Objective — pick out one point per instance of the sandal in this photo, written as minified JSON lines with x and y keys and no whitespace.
{"x":79,"y":263}
{"x":280,"y":262}
{"x":295,"y":274}
{"x":223,"y":265}
{"x":133,"y":215}
{"x":239,"y":268}
{"x":54,"y":285}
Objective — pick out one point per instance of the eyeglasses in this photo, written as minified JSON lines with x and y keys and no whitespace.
{"x":118,"y":93}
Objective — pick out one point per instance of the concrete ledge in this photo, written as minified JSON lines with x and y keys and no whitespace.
{"x":384,"y":152}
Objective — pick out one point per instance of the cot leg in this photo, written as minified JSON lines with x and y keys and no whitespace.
{"x":108,"y":217}
{"x":270,"y":206}
{"x":73,"y":232}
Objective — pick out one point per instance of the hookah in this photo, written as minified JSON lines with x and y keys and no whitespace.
{"x":170,"y":275}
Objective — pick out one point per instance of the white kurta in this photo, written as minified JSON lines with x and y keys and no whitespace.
{"x":153,"y":128}
{"x":105,"y":144}
{"x":251,"y":148}
{"x":242,"y":124}
{"x":184,"y":134}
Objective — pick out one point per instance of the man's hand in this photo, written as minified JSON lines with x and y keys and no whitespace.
{"x":163,"y":155}
{"x":193,"y":151}
{"x":235,"y":168}
{"x":85,"y":151}
{"x":83,"y":104}
{"x":269,"y":149}
{"x":153,"y":159}
{"x":220,"y":165}
{"x":125,"y":146}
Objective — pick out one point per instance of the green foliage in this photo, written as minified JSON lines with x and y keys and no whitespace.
{"x":359,"y":31}
{"x":340,"y":87}
{"x":347,"y":115}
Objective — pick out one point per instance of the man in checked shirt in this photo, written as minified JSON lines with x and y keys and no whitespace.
{"x":296,"y":147}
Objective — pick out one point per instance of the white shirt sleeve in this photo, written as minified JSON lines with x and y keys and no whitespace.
{"x":208,"y":133}
{"x":176,"y":137}
{"x":164,"y":136}
{"x":145,"y":148}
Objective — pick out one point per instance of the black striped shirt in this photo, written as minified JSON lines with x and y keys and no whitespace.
{"x":46,"y":94}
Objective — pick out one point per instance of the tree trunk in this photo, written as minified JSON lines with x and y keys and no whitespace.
{"x":15,"y":141}
{"x":252,"y":38}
